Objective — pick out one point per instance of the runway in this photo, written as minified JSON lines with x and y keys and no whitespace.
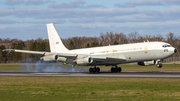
{"x":101,"y":74}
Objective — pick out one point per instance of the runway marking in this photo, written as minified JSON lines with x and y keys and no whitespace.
{"x":102,"y":74}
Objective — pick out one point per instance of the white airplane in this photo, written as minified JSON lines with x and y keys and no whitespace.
{"x":145,"y":53}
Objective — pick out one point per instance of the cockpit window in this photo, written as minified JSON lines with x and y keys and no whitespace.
{"x":166,"y":45}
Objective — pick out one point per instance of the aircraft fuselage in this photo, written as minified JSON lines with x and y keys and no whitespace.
{"x":135,"y":52}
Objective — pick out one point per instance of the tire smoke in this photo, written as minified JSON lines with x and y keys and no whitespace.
{"x":45,"y":67}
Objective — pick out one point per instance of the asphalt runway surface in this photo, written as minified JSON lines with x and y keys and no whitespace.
{"x":123,"y":74}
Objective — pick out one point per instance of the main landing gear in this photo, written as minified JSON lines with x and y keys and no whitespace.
{"x":94,"y":70}
{"x":116,"y":69}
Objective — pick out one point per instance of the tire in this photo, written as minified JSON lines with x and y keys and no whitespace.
{"x":98,"y":69}
{"x":90,"y":70}
{"x":119,"y":69}
{"x":94,"y":70}
{"x":112,"y":70}
{"x":159,"y":65}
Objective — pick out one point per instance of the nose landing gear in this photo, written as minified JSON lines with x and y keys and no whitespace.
{"x":159,"y":64}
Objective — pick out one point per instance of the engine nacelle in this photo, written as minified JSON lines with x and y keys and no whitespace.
{"x":61,"y":59}
{"x":84,"y":61}
{"x":146,"y":63}
{"x":49,"y":58}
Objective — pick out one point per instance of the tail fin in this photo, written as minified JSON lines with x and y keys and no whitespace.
{"x":55,"y":42}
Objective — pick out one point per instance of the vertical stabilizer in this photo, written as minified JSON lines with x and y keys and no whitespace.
{"x":55,"y":42}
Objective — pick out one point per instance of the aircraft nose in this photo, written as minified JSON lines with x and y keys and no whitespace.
{"x":175,"y":50}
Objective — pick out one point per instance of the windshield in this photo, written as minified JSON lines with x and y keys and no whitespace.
{"x":167,"y":45}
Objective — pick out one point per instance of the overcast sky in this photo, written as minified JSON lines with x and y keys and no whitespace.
{"x":27,"y":19}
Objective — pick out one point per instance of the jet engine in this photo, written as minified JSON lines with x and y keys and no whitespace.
{"x":49,"y":58}
{"x":146,"y":63}
{"x":61,"y":59}
{"x":84,"y":61}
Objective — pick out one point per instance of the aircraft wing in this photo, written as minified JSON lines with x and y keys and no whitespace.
{"x":26,"y":51}
{"x":72,"y":55}
{"x":94,"y":57}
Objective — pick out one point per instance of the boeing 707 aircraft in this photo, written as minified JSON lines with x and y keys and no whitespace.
{"x":145,"y":53}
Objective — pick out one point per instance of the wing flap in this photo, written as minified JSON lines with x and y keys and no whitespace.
{"x":108,"y":58}
{"x":67,"y":55}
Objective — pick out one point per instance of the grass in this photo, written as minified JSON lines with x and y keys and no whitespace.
{"x":80,"y":89}
{"x":10,"y":67}
{"x":76,"y":88}
{"x":125,"y":67}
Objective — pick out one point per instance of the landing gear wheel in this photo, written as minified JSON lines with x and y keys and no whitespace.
{"x":112,"y":70}
{"x":159,"y":65}
{"x":117,"y":69}
{"x":98,"y":69}
{"x":94,"y":70}
{"x":90,"y":70}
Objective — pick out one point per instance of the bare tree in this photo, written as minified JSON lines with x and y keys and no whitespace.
{"x":132,"y":37}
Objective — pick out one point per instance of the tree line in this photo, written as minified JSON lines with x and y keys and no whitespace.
{"x":108,"y":38}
